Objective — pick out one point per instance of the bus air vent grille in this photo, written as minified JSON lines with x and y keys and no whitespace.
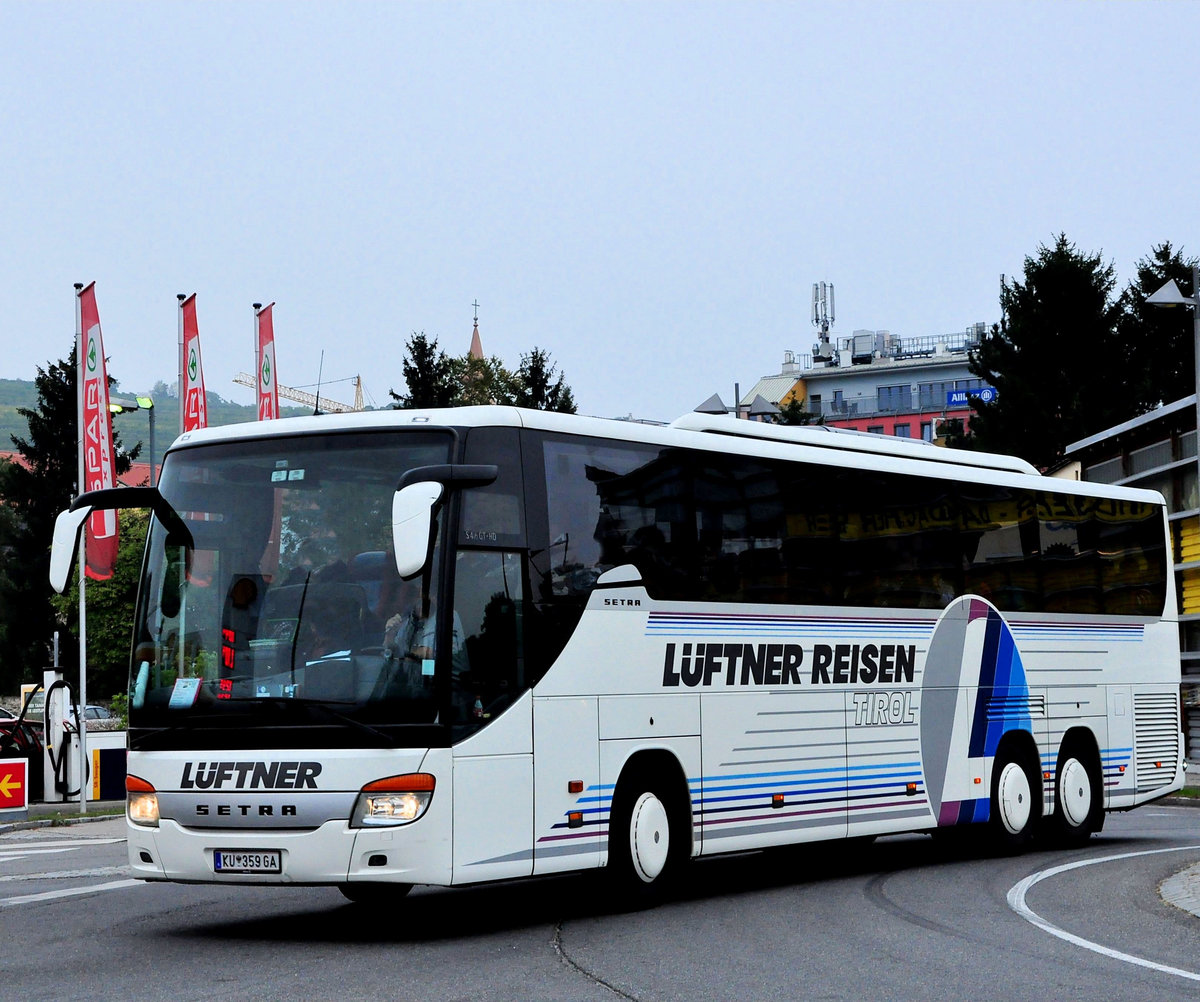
{"x":1156,"y":738}
{"x":1015,"y":707}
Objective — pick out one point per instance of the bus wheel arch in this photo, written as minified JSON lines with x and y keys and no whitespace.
{"x":1017,"y":792}
{"x":1078,"y":789}
{"x":650,"y":825}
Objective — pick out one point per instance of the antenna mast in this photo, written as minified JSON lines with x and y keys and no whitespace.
{"x":823,"y":318}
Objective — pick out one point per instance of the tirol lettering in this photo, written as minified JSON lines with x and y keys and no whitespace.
{"x":250,"y":776}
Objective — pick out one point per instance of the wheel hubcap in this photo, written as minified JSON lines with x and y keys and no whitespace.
{"x":1074,"y":792}
{"x":649,"y":837}
{"x":1014,"y":798}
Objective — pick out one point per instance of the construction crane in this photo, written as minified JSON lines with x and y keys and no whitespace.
{"x":309,"y":399}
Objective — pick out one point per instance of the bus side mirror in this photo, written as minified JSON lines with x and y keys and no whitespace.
{"x":412,"y":525}
{"x":66,"y":544}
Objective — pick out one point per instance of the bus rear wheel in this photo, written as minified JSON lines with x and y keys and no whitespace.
{"x":1075,"y":801}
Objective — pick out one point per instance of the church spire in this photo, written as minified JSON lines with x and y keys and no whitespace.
{"x":476,"y":345}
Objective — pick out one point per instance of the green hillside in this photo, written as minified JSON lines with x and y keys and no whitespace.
{"x":132,"y":427}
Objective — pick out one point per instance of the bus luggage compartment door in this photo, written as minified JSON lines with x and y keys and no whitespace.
{"x":570,"y":808}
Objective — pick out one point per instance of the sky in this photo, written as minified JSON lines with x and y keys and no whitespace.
{"x":647,"y":191}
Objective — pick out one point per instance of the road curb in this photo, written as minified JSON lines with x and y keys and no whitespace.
{"x":83,"y":819}
{"x":1183,"y":889}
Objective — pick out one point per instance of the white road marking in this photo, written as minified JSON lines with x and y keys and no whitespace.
{"x":28,"y":899}
{"x":11,"y":854}
{"x":95,"y":871}
{"x":1016,"y":901}
{"x":65,"y":844}
{"x":34,"y":849}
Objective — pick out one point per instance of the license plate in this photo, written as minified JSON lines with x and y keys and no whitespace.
{"x":241,"y":861}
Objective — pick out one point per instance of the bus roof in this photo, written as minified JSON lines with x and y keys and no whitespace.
{"x":846,"y":440}
{"x":699,"y":430}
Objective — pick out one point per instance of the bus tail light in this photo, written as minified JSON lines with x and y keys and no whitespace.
{"x":141,"y":802}
{"x":397,"y":800}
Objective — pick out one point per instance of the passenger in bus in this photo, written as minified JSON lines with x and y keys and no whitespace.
{"x":333,"y":626}
{"x":399,"y":608}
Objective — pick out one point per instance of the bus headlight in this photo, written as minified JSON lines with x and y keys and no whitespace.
{"x":141,"y":802}
{"x":397,"y":800}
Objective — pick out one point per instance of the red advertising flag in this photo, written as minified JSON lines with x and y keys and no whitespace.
{"x":99,"y":462}
{"x":268,"y":392}
{"x":195,"y":405}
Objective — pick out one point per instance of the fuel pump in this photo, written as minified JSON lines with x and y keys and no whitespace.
{"x":60,"y":776}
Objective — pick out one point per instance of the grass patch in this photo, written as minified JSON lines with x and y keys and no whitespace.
{"x":61,"y":819}
{"x":1192,"y":792}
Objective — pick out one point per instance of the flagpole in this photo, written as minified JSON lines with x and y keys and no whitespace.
{"x":257,"y":365}
{"x":79,"y":379}
{"x":182,"y":362}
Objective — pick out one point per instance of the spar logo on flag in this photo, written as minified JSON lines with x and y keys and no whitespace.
{"x":99,"y":462}
{"x":195,"y":407}
{"x":268,"y":391}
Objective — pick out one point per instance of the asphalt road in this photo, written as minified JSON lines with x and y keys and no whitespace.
{"x":905,"y":918}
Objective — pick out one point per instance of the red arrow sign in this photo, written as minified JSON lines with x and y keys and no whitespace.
{"x":13,"y":788}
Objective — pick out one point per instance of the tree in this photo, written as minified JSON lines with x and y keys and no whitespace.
{"x":35,"y":490}
{"x":1160,"y":343}
{"x":483,"y":381}
{"x":430,"y":375}
{"x":435,"y":379}
{"x":796,"y":411}
{"x":1056,"y":359}
{"x":536,"y":387}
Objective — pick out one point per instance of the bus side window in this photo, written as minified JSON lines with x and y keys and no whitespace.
{"x":489,"y":672}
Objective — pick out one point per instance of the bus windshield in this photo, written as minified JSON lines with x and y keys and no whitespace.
{"x":285,"y":616}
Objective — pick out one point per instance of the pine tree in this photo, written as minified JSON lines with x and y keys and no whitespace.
{"x":537,"y":388}
{"x":1160,"y":343}
{"x":1056,"y":359}
{"x":796,"y":411}
{"x":430,"y":375}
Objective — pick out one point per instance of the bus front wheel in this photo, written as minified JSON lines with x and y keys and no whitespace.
{"x":1016,"y":802}
{"x":641,"y":853}
{"x":374,"y":895}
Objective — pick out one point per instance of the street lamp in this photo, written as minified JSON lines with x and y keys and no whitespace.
{"x":119,"y":405}
{"x":1169,"y":295}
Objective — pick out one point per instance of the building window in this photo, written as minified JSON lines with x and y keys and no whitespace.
{"x":933,"y":395}
{"x":839,"y":403}
{"x":874,"y":429}
{"x":902,"y":431}
{"x":895,"y":398}
{"x":927,"y":431}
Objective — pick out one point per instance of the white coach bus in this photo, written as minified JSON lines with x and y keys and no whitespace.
{"x":442,"y":647}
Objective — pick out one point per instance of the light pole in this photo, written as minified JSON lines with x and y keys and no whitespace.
{"x":1169,"y":295}
{"x":119,"y":405}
